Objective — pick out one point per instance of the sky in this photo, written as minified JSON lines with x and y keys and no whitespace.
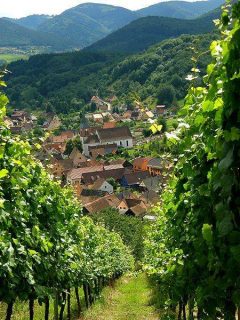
{"x":22,"y":8}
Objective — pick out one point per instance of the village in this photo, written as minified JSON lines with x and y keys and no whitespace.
{"x":90,"y":159}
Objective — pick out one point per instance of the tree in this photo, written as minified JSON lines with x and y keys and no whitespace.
{"x":162,"y":121}
{"x":146,"y":132}
{"x":130,"y":229}
{"x":166,"y":95}
{"x":73,"y":143}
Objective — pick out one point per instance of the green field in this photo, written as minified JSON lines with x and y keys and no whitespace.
{"x":8,"y":58}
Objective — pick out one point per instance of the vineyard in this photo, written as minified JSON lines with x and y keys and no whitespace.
{"x":46,"y":246}
{"x":193,"y":252}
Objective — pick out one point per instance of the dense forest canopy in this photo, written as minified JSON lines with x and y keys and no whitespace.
{"x":68,"y":81}
{"x":142,"y":33}
{"x":87,"y":23}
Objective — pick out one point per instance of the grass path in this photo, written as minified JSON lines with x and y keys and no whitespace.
{"x":129,"y":299}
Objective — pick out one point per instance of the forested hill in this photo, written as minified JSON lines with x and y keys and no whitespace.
{"x":32,"y":21}
{"x":13,"y":35}
{"x":67,"y":81}
{"x":87,"y":23}
{"x":180,"y":9}
{"x":144,"y":32}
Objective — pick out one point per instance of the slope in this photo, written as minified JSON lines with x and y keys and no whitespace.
{"x":180,"y":9}
{"x":67,"y":81}
{"x":32,"y":21}
{"x":144,"y":32}
{"x":13,"y":35}
{"x":87,"y":23}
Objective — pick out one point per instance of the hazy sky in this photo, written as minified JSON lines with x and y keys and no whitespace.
{"x":21,"y":8}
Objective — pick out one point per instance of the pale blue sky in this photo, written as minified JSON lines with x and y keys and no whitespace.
{"x":21,"y":8}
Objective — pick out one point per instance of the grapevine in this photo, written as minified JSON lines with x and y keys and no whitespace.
{"x":193,"y":251}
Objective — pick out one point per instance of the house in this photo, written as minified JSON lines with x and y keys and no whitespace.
{"x":75,"y":175}
{"x":102,"y":185}
{"x":53,"y":122}
{"x":152,"y":183}
{"x":8,"y":122}
{"x":150,"y":197}
{"x":16,"y":129}
{"x":88,"y":175}
{"x":20,"y":115}
{"x":109,"y":125}
{"x":86,"y":132}
{"x":155,"y":167}
{"x":116,"y":174}
{"x":121,"y":136}
{"x":102,"y":150}
{"x":133,"y":207}
{"x":108,"y":201}
{"x":57,"y":146}
{"x":125,"y":163}
{"x":101,"y":104}
{"x":160,"y":110}
{"x":61,"y":167}
{"x":134,"y":179}
{"x":140,"y":164}
{"x":149,"y":114}
{"x":139,"y":210}
{"x":127,"y":114}
{"x":64,"y":136}
{"x":77,"y":157}
{"x":97,"y":117}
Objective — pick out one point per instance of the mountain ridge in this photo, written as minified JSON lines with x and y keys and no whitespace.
{"x":152,"y":30}
{"x":90,"y":22}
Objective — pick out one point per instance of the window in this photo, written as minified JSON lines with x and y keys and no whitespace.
{"x":127,"y":143}
{"x":120,"y":143}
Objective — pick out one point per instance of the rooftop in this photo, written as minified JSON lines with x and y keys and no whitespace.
{"x":112,"y":134}
{"x":155,"y":163}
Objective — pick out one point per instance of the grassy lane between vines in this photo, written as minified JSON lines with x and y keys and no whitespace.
{"x":129,"y":298}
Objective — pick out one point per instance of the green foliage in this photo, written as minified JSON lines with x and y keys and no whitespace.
{"x":193,"y":250}
{"x":166,"y":95}
{"x":87,"y":23}
{"x":162,"y":122}
{"x":65,"y":81}
{"x":130,"y":229}
{"x":73,"y":143}
{"x":68,"y":81}
{"x":183,"y":9}
{"x":14,"y":35}
{"x":45,"y":244}
{"x":145,"y":32}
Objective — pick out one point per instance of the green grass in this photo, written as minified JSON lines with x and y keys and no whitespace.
{"x":21,"y":309}
{"x":129,"y":299}
{"x":8,"y":58}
